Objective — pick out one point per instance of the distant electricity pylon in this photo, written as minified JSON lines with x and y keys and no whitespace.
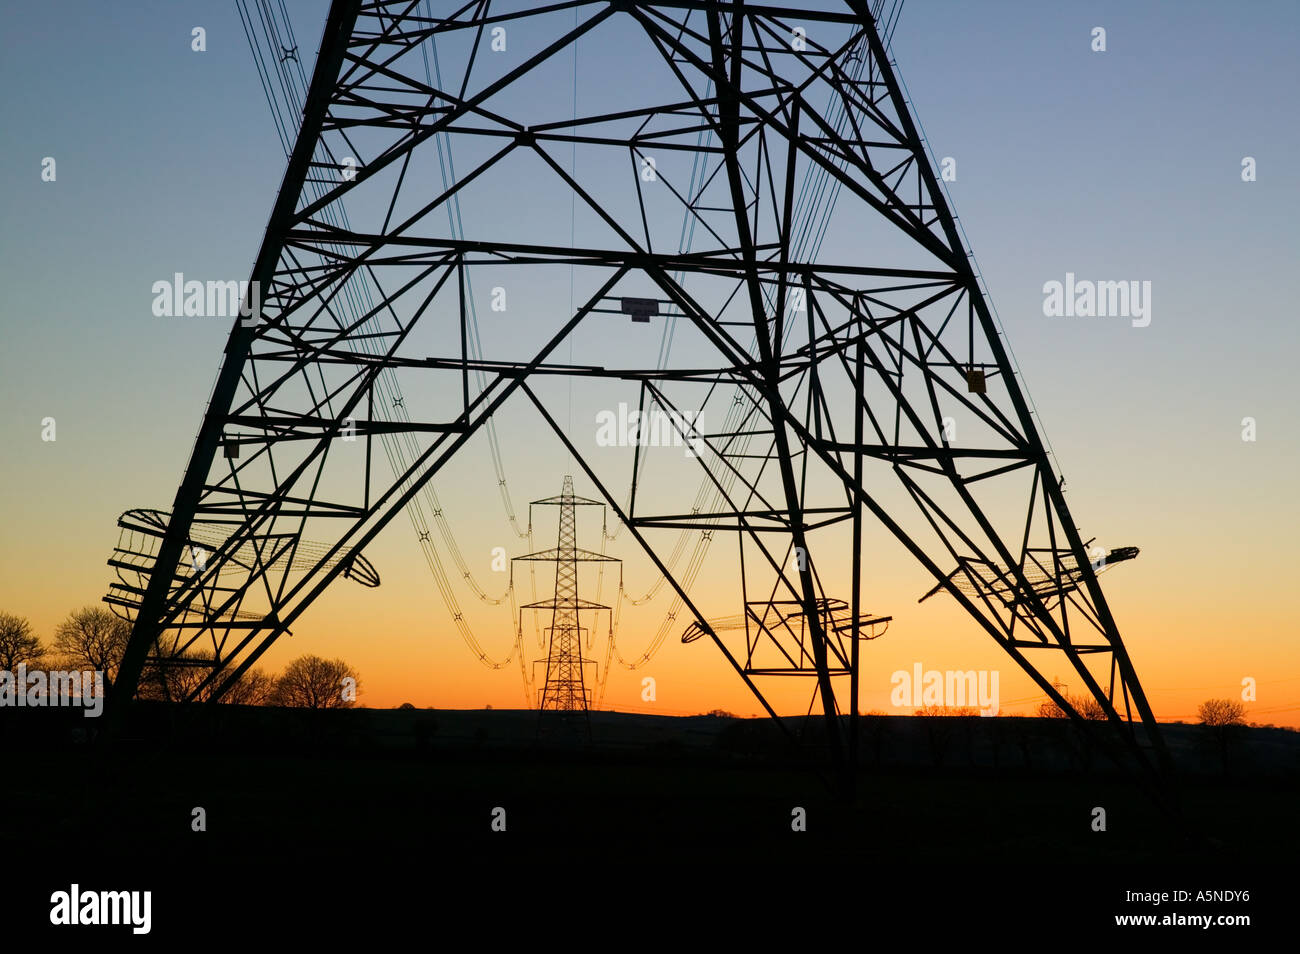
{"x":841,"y":381}
{"x":564,"y":686}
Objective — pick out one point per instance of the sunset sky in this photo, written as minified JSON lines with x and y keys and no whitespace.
{"x":1117,"y":165}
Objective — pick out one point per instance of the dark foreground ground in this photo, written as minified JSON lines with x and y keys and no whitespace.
{"x":991,"y":815}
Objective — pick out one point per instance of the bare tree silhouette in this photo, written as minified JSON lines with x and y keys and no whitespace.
{"x":311,"y":682}
{"x":18,"y":644}
{"x":92,"y":638}
{"x":177,"y":676}
{"x":1224,"y":720}
{"x":254,"y":688}
{"x":1217,"y":712}
{"x":1086,"y":706}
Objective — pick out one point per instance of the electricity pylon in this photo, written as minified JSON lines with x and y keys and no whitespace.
{"x":564,"y":686}
{"x":861,"y":386}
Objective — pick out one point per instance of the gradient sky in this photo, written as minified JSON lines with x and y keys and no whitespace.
{"x":1123,"y":164}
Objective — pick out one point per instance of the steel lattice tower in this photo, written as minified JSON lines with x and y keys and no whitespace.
{"x":564,"y":687}
{"x":861,"y":387}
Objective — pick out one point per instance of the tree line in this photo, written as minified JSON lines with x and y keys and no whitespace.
{"x":95,"y":638}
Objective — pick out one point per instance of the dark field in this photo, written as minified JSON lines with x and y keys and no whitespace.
{"x":372,"y":798}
